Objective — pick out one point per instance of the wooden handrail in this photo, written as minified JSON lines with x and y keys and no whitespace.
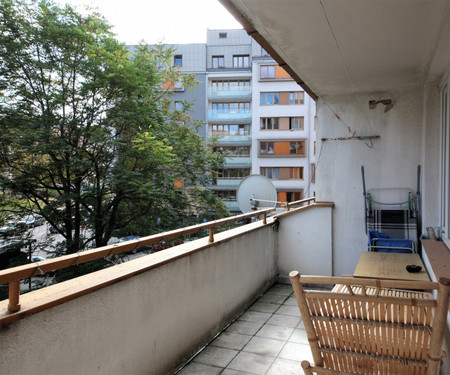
{"x":15,"y":274}
{"x":301,"y":201}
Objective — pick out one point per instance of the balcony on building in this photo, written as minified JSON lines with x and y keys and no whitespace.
{"x":238,"y":92}
{"x":232,"y":134}
{"x":225,"y":117}
{"x":152,"y":314}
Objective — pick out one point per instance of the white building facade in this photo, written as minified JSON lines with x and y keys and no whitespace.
{"x":283,"y":141}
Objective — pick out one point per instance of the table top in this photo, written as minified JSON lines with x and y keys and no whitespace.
{"x":380,"y":265}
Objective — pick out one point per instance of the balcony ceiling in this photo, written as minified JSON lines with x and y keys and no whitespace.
{"x":352,"y":45}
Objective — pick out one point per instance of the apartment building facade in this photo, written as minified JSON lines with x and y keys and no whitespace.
{"x":258,"y":116}
{"x":283,"y":141}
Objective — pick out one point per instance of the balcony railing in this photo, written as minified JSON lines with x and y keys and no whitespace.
{"x":237,"y":92}
{"x":13,"y":276}
{"x":152,"y":314}
{"x":229,"y":116}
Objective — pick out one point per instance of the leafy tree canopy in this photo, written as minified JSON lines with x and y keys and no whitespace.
{"x":88,"y":134}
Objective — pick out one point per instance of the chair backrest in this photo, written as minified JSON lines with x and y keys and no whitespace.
{"x":368,"y":326}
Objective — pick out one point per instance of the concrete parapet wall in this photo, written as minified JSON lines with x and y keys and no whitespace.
{"x":150,"y":323}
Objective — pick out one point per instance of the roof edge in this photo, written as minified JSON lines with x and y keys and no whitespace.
{"x":247,"y":25}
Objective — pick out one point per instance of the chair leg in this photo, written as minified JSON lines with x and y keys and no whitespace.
{"x":307,"y":368}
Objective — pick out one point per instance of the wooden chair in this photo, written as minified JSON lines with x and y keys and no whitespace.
{"x":368,"y":326}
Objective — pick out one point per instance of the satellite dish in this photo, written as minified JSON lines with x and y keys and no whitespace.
{"x":256,"y":192}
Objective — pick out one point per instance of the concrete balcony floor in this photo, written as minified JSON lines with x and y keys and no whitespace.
{"x":268,"y":339}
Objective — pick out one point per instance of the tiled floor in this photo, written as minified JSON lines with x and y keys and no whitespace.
{"x":268,"y":339}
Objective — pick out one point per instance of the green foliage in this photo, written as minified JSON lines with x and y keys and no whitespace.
{"x":88,"y":134}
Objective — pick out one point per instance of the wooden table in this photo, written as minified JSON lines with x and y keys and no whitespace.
{"x":389,"y":266}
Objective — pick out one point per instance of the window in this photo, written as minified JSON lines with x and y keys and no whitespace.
{"x":178,"y":60}
{"x":241,"y":61}
{"x":226,"y":195}
{"x":297,"y":147}
{"x":222,"y":35}
{"x":234,"y":151}
{"x":269,"y":123}
{"x":282,"y":148}
{"x":266,"y":148}
{"x":282,"y":173}
{"x":445,"y":172}
{"x":289,"y":196}
{"x":296,"y":173}
{"x":234,"y":173}
{"x":267,"y":71}
{"x":179,"y":106}
{"x":296,"y":97}
{"x":231,"y":107}
{"x":230,"y":85}
{"x":313,"y":173}
{"x":296,"y":123}
{"x":269,"y":172}
{"x":223,"y":130}
{"x":293,"y":196}
{"x":217,"y":62}
{"x":270,"y":98}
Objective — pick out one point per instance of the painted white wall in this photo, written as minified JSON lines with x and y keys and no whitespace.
{"x":150,"y":323}
{"x":305,"y":242}
{"x":391,"y":162}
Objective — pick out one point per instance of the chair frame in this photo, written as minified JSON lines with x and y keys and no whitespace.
{"x":371,"y":326}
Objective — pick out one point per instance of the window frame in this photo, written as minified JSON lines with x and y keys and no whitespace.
{"x":270,"y":98}
{"x":300,"y":120}
{"x":272,"y":173}
{"x":239,"y":60}
{"x":218,"y":58}
{"x":266,"y":148}
{"x":179,"y":106}
{"x":269,"y":72}
{"x":296,"y":97}
{"x":179,"y":59}
{"x":444,"y":217}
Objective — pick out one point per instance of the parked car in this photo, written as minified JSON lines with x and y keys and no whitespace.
{"x":37,"y":258}
{"x":13,"y":229}
{"x":32,"y":221}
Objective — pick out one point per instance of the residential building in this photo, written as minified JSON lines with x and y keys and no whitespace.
{"x":283,"y":129}
{"x":191,"y":59}
{"x":233,"y":74}
{"x":229,"y":102}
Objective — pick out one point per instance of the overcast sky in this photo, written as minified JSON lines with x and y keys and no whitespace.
{"x":167,"y":21}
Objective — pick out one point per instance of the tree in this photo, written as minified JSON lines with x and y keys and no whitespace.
{"x":88,"y":135}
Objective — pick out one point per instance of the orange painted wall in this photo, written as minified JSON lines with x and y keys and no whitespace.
{"x":281,"y":73}
{"x":281,"y":148}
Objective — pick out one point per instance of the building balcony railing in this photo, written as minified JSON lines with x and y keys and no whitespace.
{"x":229,"y":116}
{"x":152,"y":314}
{"x":229,"y":181}
{"x":237,"y":92}
{"x":247,"y":138}
{"x":241,"y":161}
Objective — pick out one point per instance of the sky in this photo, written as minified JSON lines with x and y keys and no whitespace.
{"x":166,"y":21}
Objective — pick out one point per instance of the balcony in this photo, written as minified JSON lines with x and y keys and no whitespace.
{"x":232,"y":93}
{"x":215,"y":116}
{"x":237,"y":138}
{"x":152,"y":314}
{"x":228,"y":181}
{"x":238,"y":161}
